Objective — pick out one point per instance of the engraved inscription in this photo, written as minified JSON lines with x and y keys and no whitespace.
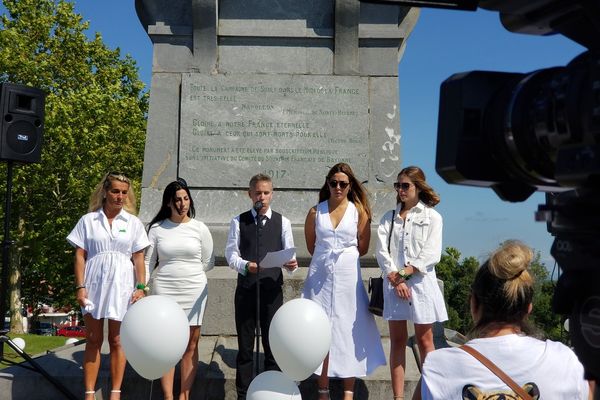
{"x":293,"y":128}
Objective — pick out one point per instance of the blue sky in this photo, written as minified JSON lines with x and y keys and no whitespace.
{"x":442,"y":43}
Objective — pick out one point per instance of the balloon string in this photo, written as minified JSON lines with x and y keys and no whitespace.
{"x":151,"y":383}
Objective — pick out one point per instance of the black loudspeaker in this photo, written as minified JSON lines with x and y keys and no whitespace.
{"x":21,"y":123}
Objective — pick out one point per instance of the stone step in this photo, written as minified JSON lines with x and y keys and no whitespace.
{"x":215,"y":378}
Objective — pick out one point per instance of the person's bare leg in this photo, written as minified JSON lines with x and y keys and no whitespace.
{"x":424,"y":337}
{"x":166,"y":383}
{"x":189,"y":363}
{"x":398,"y":341}
{"x":348,"y":388}
{"x":91,"y":356}
{"x":117,"y":358}
{"x":323,"y":380}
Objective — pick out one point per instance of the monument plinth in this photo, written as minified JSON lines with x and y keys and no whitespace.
{"x":285,"y":88}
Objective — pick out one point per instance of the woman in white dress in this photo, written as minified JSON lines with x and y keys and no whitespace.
{"x":180,"y":253}
{"x":501,"y":301}
{"x":106,"y":241}
{"x":337,"y":233}
{"x":409,"y":245}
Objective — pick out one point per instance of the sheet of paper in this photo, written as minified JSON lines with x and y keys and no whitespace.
{"x":276,"y":259}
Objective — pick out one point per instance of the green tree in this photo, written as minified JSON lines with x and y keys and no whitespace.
{"x":95,"y":120}
{"x":542,"y":315}
{"x":457,"y":276}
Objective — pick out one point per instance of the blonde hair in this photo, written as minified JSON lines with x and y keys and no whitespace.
{"x":98,"y":196}
{"x":503,"y":287}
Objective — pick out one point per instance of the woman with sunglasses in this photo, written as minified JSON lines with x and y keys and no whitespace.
{"x":180,"y":253}
{"x":409,"y":245}
{"x":337,"y":233}
{"x":107,"y":240}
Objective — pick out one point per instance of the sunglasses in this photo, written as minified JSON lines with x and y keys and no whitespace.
{"x":343,"y":185}
{"x":403,"y":185}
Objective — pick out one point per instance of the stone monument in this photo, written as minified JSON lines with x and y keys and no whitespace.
{"x":283,"y":87}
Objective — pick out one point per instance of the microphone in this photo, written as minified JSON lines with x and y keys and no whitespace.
{"x":258,"y":205}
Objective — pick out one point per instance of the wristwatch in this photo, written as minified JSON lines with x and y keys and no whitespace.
{"x":403,"y":274}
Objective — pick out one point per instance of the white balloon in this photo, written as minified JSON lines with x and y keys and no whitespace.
{"x":19,"y":342}
{"x":300,"y":337}
{"x":71,"y":340}
{"x":273,"y":385}
{"x":154,"y":335}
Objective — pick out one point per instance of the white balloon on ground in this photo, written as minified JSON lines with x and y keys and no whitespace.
{"x":19,"y":342}
{"x":273,"y":385}
{"x":72,"y":340}
{"x":154,"y":335}
{"x":300,"y":337}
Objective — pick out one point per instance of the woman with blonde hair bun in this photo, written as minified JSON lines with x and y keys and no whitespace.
{"x":501,"y":301}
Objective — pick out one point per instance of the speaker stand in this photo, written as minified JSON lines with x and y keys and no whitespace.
{"x":3,"y":306}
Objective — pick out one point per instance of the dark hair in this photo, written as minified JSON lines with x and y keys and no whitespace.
{"x":169,"y":196}
{"x":426,"y":193}
{"x":357,"y":193}
{"x":503,"y":289}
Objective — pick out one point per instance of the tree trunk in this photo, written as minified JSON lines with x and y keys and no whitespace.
{"x":14,"y":284}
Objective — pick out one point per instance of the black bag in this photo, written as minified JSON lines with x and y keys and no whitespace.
{"x":376,"y":284}
{"x":376,"y":291}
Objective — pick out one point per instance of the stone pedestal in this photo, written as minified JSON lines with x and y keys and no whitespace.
{"x":287,"y":88}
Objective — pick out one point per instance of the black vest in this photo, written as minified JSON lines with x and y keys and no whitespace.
{"x":269,"y":240}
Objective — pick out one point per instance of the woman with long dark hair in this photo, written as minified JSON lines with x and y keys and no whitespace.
{"x":337,"y":233}
{"x":180,"y":254}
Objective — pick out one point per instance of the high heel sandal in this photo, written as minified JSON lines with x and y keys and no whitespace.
{"x":323,"y":392}
{"x":116,"y":391}
{"x":401,"y":397}
{"x":92,"y":392}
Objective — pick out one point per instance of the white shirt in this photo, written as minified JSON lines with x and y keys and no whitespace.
{"x":232,"y":249}
{"x":551,"y":366}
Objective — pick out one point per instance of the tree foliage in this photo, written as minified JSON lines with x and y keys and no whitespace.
{"x":95,"y":119}
{"x":458,"y":275}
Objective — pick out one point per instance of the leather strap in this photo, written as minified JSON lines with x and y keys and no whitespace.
{"x":497,"y":371}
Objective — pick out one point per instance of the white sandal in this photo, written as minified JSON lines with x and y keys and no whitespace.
{"x":323,"y":392}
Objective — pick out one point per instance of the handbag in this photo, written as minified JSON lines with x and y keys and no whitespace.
{"x":376,"y":284}
{"x":497,"y":371}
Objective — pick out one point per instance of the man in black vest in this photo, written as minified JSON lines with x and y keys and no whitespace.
{"x":274,"y":233}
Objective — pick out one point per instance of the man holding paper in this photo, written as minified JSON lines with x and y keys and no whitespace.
{"x":252,"y":235}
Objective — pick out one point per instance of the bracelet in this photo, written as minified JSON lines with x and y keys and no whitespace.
{"x":142,"y":286}
{"x":79,"y":287}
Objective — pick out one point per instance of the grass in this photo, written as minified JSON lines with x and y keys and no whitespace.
{"x":34,"y":345}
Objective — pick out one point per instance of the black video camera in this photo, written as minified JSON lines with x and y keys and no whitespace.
{"x":539,"y":131}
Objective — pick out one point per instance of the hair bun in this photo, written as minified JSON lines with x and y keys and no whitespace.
{"x":510,"y":260}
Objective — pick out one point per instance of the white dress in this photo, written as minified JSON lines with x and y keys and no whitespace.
{"x":109,"y":273}
{"x":417,"y":241}
{"x":550,"y":366}
{"x":334,"y":281}
{"x":184,"y":252}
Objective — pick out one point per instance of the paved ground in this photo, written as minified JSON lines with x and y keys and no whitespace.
{"x":215,"y":379}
